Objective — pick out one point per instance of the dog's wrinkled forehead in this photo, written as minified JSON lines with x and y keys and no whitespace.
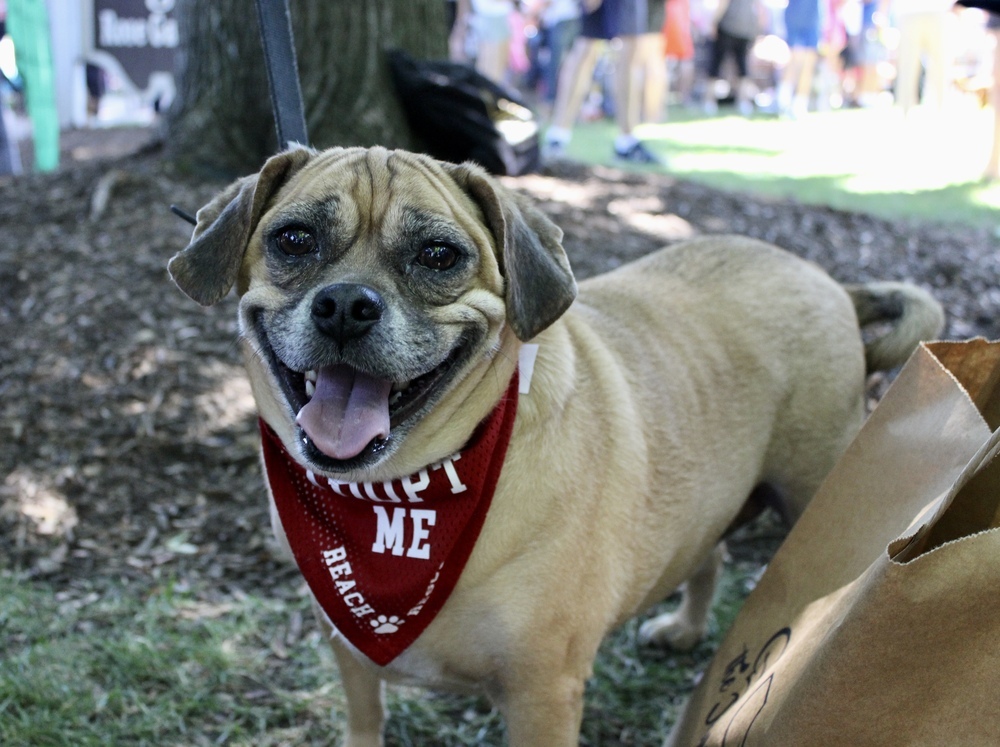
{"x":376,"y":193}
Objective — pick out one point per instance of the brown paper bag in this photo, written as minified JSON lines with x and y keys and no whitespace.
{"x":878,"y":620}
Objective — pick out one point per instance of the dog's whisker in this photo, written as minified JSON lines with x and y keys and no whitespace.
{"x":496,"y":380}
{"x":236,"y":343}
{"x":255,"y":349}
{"x":506,"y":354}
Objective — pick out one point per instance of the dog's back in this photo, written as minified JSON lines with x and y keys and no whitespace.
{"x":747,"y":355}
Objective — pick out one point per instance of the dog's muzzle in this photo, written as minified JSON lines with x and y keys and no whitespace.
{"x":347,"y":410}
{"x":347,"y":414}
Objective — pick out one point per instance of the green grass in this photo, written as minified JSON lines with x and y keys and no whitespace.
{"x":112,"y":666}
{"x":862,"y":160}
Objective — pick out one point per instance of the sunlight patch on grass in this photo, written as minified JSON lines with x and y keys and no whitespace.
{"x":925,"y":166}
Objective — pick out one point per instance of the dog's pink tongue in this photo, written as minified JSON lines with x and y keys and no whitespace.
{"x":346,"y":412}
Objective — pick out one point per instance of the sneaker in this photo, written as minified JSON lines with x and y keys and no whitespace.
{"x":639,"y":153}
{"x":553,"y":150}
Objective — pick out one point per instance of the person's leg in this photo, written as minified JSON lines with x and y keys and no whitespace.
{"x":561,"y":37}
{"x":789,"y":74}
{"x":628,"y":92}
{"x":907,"y":64}
{"x":537,"y":51}
{"x":493,"y":50}
{"x":683,"y":84}
{"x":654,"y":76}
{"x":680,"y":49}
{"x":577,"y":73}
{"x":869,"y":85}
{"x":832,"y":72}
{"x":491,"y":60}
{"x":575,"y":78}
{"x":803,"y":85}
{"x":744,"y":93}
{"x":720,"y":48}
{"x":629,"y":22}
{"x":10,"y":159}
{"x":796,"y":81}
{"x":993,"y":164}
{"x":934,"y":35}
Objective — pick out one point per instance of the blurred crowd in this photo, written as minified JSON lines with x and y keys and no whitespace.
{"x":634,"y":59}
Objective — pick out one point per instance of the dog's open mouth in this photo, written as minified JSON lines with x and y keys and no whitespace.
{"x":347,"y":416}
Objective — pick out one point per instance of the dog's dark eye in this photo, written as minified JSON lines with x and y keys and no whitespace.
{"x":296,"y":241}
{"x":437,"y":257}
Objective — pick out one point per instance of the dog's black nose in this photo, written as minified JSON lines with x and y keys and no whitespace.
{"x":346,"y":311}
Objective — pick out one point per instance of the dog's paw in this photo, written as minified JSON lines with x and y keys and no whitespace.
{"x":670,"y":630}
{"x":386,"y":624}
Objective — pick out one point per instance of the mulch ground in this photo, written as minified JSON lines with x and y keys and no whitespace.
{"x":128,"y":442}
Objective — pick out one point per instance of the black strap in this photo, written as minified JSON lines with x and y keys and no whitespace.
{"x":993,"y":6}
{"x":282,"y":71}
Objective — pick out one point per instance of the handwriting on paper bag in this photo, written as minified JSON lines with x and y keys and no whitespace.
{"x":743,"y":679}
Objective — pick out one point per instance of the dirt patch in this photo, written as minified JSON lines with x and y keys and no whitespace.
{"x":128,"y":442}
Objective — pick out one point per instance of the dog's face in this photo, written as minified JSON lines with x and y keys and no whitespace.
{"x":372,"y":282}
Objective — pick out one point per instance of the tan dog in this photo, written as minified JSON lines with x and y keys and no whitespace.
{"x":670,"y":392}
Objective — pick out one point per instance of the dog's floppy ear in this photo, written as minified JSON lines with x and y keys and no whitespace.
{"x":208,"y":267}
{"x":539,"y":282}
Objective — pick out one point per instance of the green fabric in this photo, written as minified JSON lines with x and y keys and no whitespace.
{"x":28,"y":26}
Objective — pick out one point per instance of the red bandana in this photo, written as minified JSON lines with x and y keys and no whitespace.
{"x":382,"y":559}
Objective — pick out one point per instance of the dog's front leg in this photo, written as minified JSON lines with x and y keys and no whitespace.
{"x":363,"y":691}
{"x":544,"y":712}
{"x":683,"y":629}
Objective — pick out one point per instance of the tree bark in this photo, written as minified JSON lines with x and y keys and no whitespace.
{"x":221,"y":121}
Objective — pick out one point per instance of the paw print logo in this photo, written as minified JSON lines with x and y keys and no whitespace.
{"x":384,"y":624}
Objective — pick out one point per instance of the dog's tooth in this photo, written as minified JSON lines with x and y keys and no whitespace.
{"x":311,"y":376}
{"x":310,"y":388}
{"x":401,"y":386}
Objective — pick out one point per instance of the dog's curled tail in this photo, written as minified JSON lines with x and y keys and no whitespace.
{"x":913,"y":313}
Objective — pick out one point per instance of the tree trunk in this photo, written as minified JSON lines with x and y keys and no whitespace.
{"x":221,"y":121}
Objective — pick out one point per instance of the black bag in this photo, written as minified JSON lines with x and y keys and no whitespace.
{"x":464,"y":116}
